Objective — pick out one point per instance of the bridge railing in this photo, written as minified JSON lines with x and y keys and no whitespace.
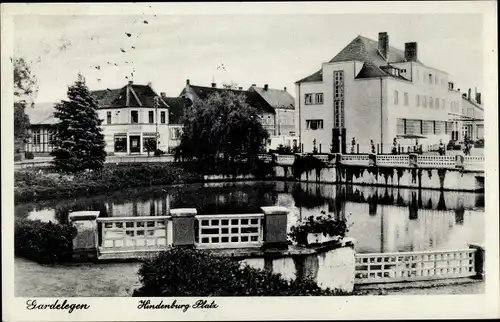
{"x":474,"y":162}
{"x":285,"y":159}
{"x":414,"y":266}
{"x":436,"y":161}
{"x":355,"y":159}
{"x":229,"y":231}
{"x":393,"y":160}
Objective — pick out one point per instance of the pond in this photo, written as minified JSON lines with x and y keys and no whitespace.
{"x":380,"y":219}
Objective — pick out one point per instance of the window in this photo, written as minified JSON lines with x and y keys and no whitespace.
{"x":108,"y":117}
{"x":406,"y":99}
{"x":396,"y":98}
{"x":134,"y":117}
{"x":162,"y":117}
{"x":36,"y":137}
{"x":50,"y":133}
{"x":430,"y":78}
{"x":148,"y":142}
{"x":437,"y":102}
{"x":120,"y":143}
{"x":431,"y":102}
{"x":400,"y":126}
{"x":427,"y":127}
{"x":319,"y":98}
{"x":413,"y":127}
{"x":338,"y":92}
{"x":314,"y":124}
{"x":439,"y":127}
{"x":424,"y":101}
{"x":151,"y":117}
{"x":309,"y":99}
{"x":418,"y":100}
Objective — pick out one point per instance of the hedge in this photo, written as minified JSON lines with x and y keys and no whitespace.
{"x":184,"y":272}
{"x":43,"y":242}
{"x":33,"y":185}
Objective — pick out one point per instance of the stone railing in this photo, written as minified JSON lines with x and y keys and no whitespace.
{"x":436,"y":161}
{"x":229,"y":231}
{"x":265,"y":157}
{"x":323,"y":157}
{"x":285,"y":159}
{"x":392,"y":160}
{"x":416,"y":266}
{"x":355,"y":159}
{"x":135,"y":233}
{"x":474,"y":162}
{"x":130,"y":237}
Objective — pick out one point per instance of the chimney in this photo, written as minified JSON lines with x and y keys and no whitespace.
{"x":450,"y":86}
{"x":162,"y":94}
{"x":383,"y":44}
{"x":469,"y":95}
{"x":214,"y":85}
{"x":266,"y":86}
{"x":187,"y":82}
{"x":284,"y":88}
{"x":411,"y":51}
{"x":478,"y":98}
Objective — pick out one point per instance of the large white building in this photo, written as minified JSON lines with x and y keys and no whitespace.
{"x":373,"y":91}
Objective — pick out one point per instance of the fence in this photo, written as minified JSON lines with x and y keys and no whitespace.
{"x":436,"y":161}
{"x":134,"y":233}
{"x":392,"y":160}
{"x":322,"y":157}
{"x":353,"y":159}
{"x":229,"y":231}
{"x":414,"y":266}
{"x":285,"y":159}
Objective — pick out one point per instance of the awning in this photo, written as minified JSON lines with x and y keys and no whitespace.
{"x":410,"y":136}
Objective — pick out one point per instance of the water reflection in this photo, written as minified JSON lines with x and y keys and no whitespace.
{"x":381,"y":219}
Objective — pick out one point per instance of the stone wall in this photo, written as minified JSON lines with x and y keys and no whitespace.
{"x":427,"y":178}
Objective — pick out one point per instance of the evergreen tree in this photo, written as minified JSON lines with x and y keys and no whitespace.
{"x":79,"y":142}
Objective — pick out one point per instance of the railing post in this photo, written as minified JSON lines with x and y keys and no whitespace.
{"x":275,"y":227}
{"x":183,"y":234}
{"x":478,"y":260}
{"x":86,"y":241}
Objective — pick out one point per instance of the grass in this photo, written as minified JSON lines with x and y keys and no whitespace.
{"x":75,"y":280}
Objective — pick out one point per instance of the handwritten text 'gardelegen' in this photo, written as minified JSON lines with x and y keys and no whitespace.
{"x":70,"y":307}
{"x":199,"y":304}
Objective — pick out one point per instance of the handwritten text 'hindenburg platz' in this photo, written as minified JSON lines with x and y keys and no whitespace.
{"x":200,"y":304}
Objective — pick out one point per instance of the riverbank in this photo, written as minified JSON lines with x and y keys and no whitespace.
{"x":34,"y":185}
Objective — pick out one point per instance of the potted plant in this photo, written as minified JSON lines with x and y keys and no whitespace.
{"x":318,"y":230}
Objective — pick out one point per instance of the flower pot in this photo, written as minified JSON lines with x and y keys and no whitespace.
{"x":320,"y":238}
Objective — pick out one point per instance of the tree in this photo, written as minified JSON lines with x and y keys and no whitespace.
{"x":222,"y":126}
{"x":79,"y":142}
{"x":25,"y":90}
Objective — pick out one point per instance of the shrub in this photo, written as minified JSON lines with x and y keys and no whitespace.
{"x":43,"y":242}
{"x":324,"y":224}
{"x":159,"y":152}
{"x":183,"y":272}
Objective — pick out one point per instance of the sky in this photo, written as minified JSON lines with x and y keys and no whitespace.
{"x":254,"y":49}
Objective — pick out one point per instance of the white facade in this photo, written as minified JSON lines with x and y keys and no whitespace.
{"x":127,"y":129}
{"x":412,"y":102}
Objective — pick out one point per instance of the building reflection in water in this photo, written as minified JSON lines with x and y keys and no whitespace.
{"x":381,"y":219}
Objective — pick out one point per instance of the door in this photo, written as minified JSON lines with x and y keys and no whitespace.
{"x":135,"y":144}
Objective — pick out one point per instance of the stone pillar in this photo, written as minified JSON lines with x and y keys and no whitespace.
{"x":275,"y":224}
{"x":459,"y":161}
{"x":183,"y":234}
{"x":85,"y":242}
{"x":478,"y":260}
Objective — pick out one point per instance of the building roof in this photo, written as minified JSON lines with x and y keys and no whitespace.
{"x":177,"y":105}
{"x":277,"y":98}
{"x":364,"y":50}
{"x":138,"y":96}
{"x":252,"y":98}
{"x":41,"y":114}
